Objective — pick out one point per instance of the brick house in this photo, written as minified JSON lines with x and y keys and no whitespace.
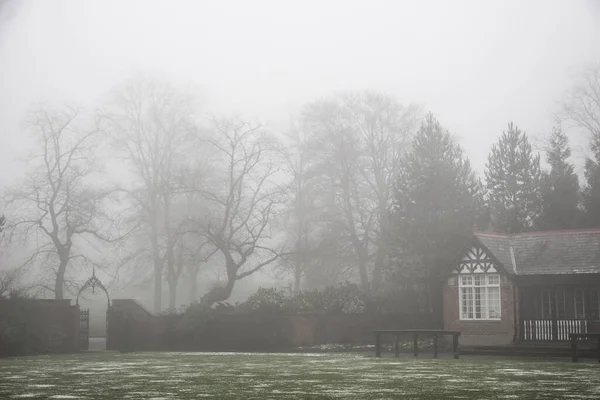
{"x":538,"y":286}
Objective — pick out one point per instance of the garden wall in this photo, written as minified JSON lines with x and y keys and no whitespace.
{"x":133,"y":328}
{"x":34,"y":326}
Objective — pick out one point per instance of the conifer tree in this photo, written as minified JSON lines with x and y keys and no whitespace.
{"x":591,"y":191}
{"x":560,"y":186}
{"x":438,"y":199}
{"x":513,"y":178}
{"x":582,"y":109}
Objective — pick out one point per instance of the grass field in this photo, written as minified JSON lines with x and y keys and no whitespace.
{"x":301,"y":376}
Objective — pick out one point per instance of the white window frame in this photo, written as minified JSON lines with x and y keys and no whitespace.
{"x":468,"y":296}
{"x":579,"y":294}
{"x":546,"y":303}
{"x":561,"y":303}
{"x":595,"y":304}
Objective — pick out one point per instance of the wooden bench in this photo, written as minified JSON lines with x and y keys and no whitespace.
{"x":415,"y":333}
{"x":575,"y":337}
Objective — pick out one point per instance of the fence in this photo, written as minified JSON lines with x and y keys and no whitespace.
{"x":544,"y":330}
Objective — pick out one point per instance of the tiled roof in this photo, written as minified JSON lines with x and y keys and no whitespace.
{"x":546,"y":253}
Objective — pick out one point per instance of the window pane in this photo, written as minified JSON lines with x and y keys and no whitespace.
{"x":466,"y":280}
{"x":493,"y":279}
{"x":595,"y":304}
{"x":546,"y":304}
{"x":493,"y":302}
{"x":579,"y":307}
{"x":561,"y":308}
{"x":466,"y":295}
{"x":479,"y":280}
{"x":479,"y":303}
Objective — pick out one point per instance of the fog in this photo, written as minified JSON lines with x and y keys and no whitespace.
{"x":476,"y":65}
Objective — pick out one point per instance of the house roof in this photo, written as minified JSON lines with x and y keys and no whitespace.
{"x":546,"y":253}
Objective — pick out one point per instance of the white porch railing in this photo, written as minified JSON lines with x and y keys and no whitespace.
{"x":541,"y":329}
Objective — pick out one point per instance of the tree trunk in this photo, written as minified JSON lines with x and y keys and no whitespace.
{"x":172,"y":294}
{"x":378,"y":271}
{"x":172,"y":278}
{"x":222,"y":293}
{"x":175,"y":273}
{"x":60,"y":281}
{"x":58,"y":288}
{"x":157,"y":271}
{"x":193,"y":285}
{"x":382,"y":237}
{"x":297,"y":278}
{"x":362,"y":268}
{"x":218,"y":293}
{"x":157,"y":288}
{"x":298,"y":267}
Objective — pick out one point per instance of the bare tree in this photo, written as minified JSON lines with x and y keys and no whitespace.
{"x":153,"y":126}
{"x":242,"y":195}
{"x":298,"y":217}
{"x":8,"y":10}
{"x":582,"y":108}
{"x":315,"y":240}
{"x":358,"y":140}
{"x":9,"y":283}
{"x":55,"y":208}
{"x":582,"y":105}
{"x":191,"y":249}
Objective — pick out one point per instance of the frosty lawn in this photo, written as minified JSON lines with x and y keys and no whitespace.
{"x":261,"y":376}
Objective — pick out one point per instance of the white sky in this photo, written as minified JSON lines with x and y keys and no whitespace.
{"x":476,"y":64}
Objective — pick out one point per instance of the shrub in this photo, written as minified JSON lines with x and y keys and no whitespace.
{"x":346,"y":298}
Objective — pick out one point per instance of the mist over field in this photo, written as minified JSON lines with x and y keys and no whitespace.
{"x":191,"y":151}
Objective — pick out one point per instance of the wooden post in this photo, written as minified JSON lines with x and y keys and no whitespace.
{"x":377,"y":344}
{"x":521,"y":313}
{"x":397,"y":346}
{"x":574,"y":355}
{"x":599,"y":349}
{"x":554,"y":313}
{"x":416,"y":344}
{"x":435,"y":345}
{"x":455,"y":349}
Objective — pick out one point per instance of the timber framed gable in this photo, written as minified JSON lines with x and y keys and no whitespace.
{"x":476,"y":258}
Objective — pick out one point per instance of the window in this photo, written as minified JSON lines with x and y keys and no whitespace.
{"x":546,"y":304}
{"x":595,"y":303}
{"x":561,"y":303}
{"x":479,"y":296}
{"x":578,"y":300}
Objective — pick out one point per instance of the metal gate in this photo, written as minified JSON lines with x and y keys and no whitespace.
{"x":84,"y":329}
{"x":84,"y":315}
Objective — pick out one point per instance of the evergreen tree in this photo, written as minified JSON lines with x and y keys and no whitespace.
{"x":591,"y":192}
{"x":513,"y":178}
{"x":438,"y":199}
{"x":560,"y":186}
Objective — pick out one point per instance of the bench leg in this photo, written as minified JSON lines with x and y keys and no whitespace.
{"x":416,"y":345}
{"x":435,"y":346}
{"x":377,"y":345}
{"x":574,"y":355}
{"x":455,"y":349}
{"x":397,"y":346}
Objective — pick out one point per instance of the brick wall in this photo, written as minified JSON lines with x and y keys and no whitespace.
{"x":131,"y":327}
{"x":31,"y":326}
{"x":476,"y":333}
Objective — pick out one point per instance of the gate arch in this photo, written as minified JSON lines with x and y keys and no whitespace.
{"x":93,"y":282}
{"x":84,"y":315}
